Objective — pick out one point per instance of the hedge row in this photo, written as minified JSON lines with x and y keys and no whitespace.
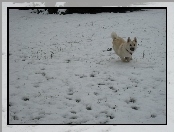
{"x":92,"y":10}
{"x":86,"y":10}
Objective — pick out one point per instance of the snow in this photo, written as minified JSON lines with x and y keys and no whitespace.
{"x":61,"y":71}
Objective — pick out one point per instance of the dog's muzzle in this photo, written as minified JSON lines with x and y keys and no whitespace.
{"x":132,"y":49}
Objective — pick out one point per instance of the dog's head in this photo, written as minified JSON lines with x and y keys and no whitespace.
{"x":131,"y":45}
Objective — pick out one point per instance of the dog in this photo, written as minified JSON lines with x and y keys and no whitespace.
{"x":122,"y":48}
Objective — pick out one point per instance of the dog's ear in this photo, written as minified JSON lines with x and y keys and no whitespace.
{"x":135,"y":39}
{"x":128,"y":40}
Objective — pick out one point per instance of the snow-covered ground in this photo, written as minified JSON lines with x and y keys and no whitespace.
{"x":60,"y":71}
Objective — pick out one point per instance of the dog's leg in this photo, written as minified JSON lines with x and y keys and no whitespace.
{"x":123,"y":59}
{"x":127,"y":59}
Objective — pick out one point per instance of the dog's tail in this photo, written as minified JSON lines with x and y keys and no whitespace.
{"x":113,"y":35}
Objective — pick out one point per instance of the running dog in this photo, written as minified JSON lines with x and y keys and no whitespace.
{"x":124,"y":49}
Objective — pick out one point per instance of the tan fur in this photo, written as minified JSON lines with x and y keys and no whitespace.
{"x":124,"y":49}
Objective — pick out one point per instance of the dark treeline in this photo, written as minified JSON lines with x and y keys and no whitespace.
{"x":86,"y":10}
{"x":99,"y":10}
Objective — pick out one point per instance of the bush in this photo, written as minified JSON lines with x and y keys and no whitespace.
{"x":98,"y":10}
{"x":52,"y":10}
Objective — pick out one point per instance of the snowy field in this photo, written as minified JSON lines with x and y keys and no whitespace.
{"x":108,"y":59}
{"x":61,"y":72}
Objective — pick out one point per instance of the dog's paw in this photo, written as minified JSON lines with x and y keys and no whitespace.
{"x":127,"y":59}
{"x":123,"y":59}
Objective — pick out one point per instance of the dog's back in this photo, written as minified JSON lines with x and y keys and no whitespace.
{"x":117,"y":41}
